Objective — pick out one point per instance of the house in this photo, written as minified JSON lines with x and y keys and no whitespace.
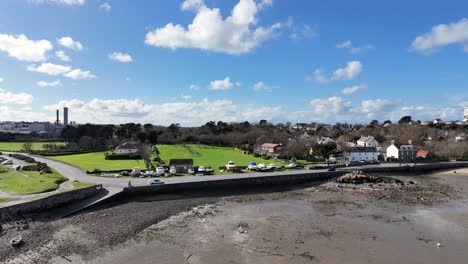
{"x":127,"y":148}
{"x":268,"y":149}
{"x":438,"y":121}
{"x":403,"y":153}
{"x":326,"y":140}
{"x":368,"y":141}
{"x":356,"y":154}
{"x":460,"y":137}
{"x":181,"y":165}
{"x":423,"y":154}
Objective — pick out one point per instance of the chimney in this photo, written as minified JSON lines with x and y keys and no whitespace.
{"x":57,"y":120}
{"x":410,"y":142}
{"x":392,"y":142}
{"x":65,"y":116}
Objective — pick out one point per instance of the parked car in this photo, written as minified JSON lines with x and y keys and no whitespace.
{"x":201,"y":169}
{"x":173,"y":170}
{"x":7,"y":162}
{"x":291,"y":166}
{"x":331,"y":169}
{"x":271,"y":166}
{"x":160,"y":171}
{"x":155,"y":182}
{"x":252,"y":166}
{"x":191,"y":171}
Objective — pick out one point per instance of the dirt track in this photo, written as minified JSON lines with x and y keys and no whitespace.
{"x":323,"y":224}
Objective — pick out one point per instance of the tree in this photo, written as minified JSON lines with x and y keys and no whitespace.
{"x":387,"y":122}
{"x":374,"y":123}
{"x":144,"y":150}
{"x":152,"y":137}
{"x":27,"y":146}
{"x":148,"y":127}
{"x":141,"y":136}
{"x":405,"y":120}
{"x":325,"y":150}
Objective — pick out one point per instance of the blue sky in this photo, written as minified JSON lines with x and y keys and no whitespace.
{"x":299,"y":61}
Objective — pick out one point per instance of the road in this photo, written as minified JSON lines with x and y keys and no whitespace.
{"x":79,"y":174}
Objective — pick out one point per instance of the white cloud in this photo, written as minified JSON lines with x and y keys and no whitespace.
{"x":79,"y":74}
{"x":224,"y":84}
{"x":9,"y":113}
{"x":265,"y":3}
{"x":1,"y":80}
{"x":105,"y":7}
{"x":442,"y":35}
{"x":62,"y":56}
{"x":349,"y":72}
{"x":22,"y":48}
{"x":261,"y":86}
{"x":68,"y":42}
{"x":15,"y":98}
{"x":236,"y":34}
{"x":353,"y":89}
{"x":119,"y":56}
{"x":50,"y":69}
{"x":186,"y":113}
{"x":49,"y":84}
{"x":63,"y":2}
{"x":353,"y":49}
{"x":186,"y":97}
{"x":300,"y":32}
{"x":194,"y":87}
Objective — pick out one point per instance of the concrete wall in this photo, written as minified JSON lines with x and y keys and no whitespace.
{"x":49,"y":202}
{"x":289,"y":179}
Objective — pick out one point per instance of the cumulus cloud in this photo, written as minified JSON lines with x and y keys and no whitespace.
{"x":62,"y":56}
{"x":24,"y":49}
{"x":1,"y":80}
{"x":119,"y":56}
{"x":236,"y":34}
{"x":15,"y":98}
{"x":261,"y":86}
{"x":442,"y":35}
{"x":79,"y":74}
{"x":62,"y":2}
{"x":185,"y":113}
{"x":68,"y":42}
{"x":49,"y":68}
{"x":105,"y":7}
{"x":194,"y":87}
{"x":224,"y":84}
{"x":349,"y":72}
{"x":186,"y":97}
{"x":354,"y":49}
{"x":300,"y":32}
{"x":49,"y":84}
{"x":353,"y":89}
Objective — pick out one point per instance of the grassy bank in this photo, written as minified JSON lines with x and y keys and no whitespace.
{"x":202,"y":155}
{"x":17,"y":146}
{"x":96,"y":160}
{"x":32,"y":182}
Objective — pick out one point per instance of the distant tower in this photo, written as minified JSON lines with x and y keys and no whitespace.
{"x":57,"y":120}
{"x":65,"y":116}
{"x":465,"y":114}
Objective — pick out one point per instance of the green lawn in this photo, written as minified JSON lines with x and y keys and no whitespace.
{"x":96,"y":160}
{"x":202,"y":155}
{"x":205,"y":155}
{"x":17,"y":146}
{"x":13,"y":182}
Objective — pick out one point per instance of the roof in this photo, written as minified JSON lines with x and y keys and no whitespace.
{"x":362,"y":149}
{"x":270,"y":145}
{"x":127,"y":145}
{"x":174,"y":162}
{"x":421,"y":151}
{"x":366,"y":139}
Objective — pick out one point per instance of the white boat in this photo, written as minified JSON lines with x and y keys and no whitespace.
{"x":291,"y":166}
{"x":271,"y":166}
{"x":208,"y":170}
{"x":16,"y":241}
{"x":172,"y":170}
{"x":231,"y":165}
{"x":191,"y":171}
{"x":201,"y":169}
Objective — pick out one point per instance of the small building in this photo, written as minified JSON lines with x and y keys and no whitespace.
{"x":368,"y":141}
{"x":268,"y":149}
{"x":326,"y":140}
{"x":403,"y":153}
{"x":438,"y":121}
{"x":356,"y":154}
{"x":423,"y":154}
{"x":127,"y":148}
{"x":181,"y":165}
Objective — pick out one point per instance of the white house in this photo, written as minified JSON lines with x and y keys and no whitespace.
{"x":406,"y":153}
{"x":368,"y":141}
{"x":326,"y":140}
{"x":465,"y":114}
{"x":126,"y":148}
{"x":357,"y":154}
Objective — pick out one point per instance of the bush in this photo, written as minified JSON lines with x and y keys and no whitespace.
{"x":121,"y":157}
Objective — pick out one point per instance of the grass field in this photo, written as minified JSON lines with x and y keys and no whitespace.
{"x":17,"y":146}
{"x":205,"y":155}
{"x":13,"y":182}
{"x":202,"y":155}
{"x":96,"y":160}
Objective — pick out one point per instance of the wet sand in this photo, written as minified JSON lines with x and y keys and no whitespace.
{"x":320,"y":224}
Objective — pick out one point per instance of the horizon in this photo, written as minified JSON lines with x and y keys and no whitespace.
{"x":114,"y":62}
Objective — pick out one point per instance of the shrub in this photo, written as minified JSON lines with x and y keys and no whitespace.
{"x":121,"y":157}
